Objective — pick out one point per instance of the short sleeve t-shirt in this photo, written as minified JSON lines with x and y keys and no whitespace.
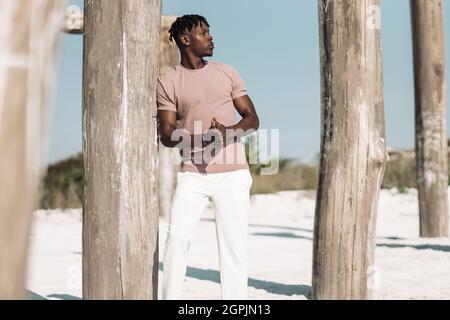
{"x":198,"y":95}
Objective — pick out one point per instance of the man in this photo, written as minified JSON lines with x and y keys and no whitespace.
{"x":197,"y":102}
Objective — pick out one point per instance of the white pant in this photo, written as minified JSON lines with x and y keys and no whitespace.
{"x":230,"y":193}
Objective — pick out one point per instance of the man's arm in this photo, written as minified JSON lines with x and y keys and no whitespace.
{"x":167,"y":121}
{"x":248,"y":124}
{"x":246,"y":109}
{"x":168,"y":124}
{"x":249,"y":121}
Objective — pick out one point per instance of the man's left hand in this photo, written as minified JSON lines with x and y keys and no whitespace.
{"x":223,"y":131}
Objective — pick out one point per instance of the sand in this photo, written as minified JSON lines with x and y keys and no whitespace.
{"x":280,"y":251}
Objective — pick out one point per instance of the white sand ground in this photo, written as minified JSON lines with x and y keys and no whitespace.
{"x":280,"y":251}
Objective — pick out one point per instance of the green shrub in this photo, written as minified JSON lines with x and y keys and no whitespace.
{"x":62,"y":185}
{"x":400,"y":173}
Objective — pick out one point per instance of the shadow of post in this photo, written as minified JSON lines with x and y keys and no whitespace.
{"x":268,"y":286}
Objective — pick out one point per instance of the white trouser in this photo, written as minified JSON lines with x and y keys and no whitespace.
{"x":230,"y":194}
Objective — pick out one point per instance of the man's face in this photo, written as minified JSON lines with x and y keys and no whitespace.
{"x":201,"y":41}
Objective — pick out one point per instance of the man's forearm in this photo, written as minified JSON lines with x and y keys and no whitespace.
{"x":247,"y":125}
{"x":170,"y":140}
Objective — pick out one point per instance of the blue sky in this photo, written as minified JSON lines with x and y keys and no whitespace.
{"x":275,"y":49}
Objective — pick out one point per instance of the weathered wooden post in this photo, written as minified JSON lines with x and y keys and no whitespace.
{"x":170,"y":56}
{"x":29,"y":41}
{"x":353,"y":152}
{"x":431,"y":132}
{"x":120,"y":147}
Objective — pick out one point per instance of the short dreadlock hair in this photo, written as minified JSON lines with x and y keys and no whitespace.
{"x":186,"y":22}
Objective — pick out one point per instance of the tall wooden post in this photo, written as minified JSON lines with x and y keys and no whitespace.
{"x":120,"y":210}
{"x":353,"y":152}
{"x":168,"y":167}
{"x":29,"y":41}
{"x":431,"y":132}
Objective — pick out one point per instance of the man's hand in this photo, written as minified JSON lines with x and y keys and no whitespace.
{"x":217,"y":125}
{"x":223,"y":132}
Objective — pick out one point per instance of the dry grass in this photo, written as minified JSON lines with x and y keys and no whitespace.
{"x":291,"y":176}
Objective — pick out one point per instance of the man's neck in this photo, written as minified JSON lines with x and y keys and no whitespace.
{"x":191,"y":62}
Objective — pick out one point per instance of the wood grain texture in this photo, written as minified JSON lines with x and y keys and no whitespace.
{"x":353,"y":151}
{"x":430,"y":116}
{"x":120,"y":149}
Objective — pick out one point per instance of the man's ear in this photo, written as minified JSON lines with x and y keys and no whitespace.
{"x":184,"y":39}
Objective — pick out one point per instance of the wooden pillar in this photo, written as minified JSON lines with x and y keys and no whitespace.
{"x":431,"y":131}
{"x":120,"y":149}
{"x":29,"y":35}
{"x":168,"y":165}
{"x":353,"y":152}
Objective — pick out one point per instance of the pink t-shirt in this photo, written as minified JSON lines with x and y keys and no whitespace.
{"x":197,"y":96}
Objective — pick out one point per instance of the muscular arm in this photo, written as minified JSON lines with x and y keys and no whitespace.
{"x":167,"y":121}
{"x":246,"y":109}
{"x":248,"y":124}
